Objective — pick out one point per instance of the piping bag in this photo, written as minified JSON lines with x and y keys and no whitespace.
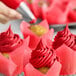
{"x":22,"y":8}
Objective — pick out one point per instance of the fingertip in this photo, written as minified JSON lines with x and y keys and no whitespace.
{"x":15,"y":15}
{"x":19,"y":16}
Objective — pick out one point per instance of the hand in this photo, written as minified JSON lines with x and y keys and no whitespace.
{"x":7,"y":14}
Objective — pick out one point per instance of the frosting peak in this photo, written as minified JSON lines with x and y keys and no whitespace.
{"x":42,"y":57}
{"x":64,"y":32}
{"x":9,"y":41}
{"x":64,"y":37}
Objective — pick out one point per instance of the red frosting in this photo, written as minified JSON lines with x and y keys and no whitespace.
{"x":43,"y":56}
{"x":65,"y":37}
{"x":9,"y":41}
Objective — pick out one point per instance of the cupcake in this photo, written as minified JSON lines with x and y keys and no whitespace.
{"x":64,"y":37}
{"x":35,"y":32}
{"x":43,"y":57}
{"x":65,"y":46}
{"x":12,"y":53}
{"x":43,"y":61}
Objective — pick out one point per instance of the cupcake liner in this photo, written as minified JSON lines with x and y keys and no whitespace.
{"x":7,"y":66}
{"x":27,"y":53}
{"x":73,"y":3}
{"x":67,"y":58}
{"x":57,"y":14}
{"x":34,"y":39}
{"x":21,"y":56}
{"x":53,"y":71}
{"x":18,"y":58}
{"x":47,"y":38}
{"x":26,"y":32}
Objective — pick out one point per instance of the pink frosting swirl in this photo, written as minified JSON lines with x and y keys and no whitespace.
{"x":43,"y":57}
{"x":65,"y":37}
{"x":9,"y":41}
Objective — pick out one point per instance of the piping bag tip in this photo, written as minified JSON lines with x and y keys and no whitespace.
{"x":33,"y":21}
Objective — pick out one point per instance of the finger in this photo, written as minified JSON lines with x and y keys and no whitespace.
{"x":3,"y":19}
{"x":12,"y":14}
{"x":3,"y":8}
{"x":9,"y":12}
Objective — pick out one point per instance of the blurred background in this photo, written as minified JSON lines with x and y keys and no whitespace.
{"x":56,"y":12}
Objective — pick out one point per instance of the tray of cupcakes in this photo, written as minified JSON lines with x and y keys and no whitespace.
{"x":37,"y":54}
{"x":44,"y":48}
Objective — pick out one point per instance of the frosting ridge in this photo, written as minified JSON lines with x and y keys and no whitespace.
{"x":43,"y":56}
{"x":66,"y":37}
{"x":9,"y":41}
